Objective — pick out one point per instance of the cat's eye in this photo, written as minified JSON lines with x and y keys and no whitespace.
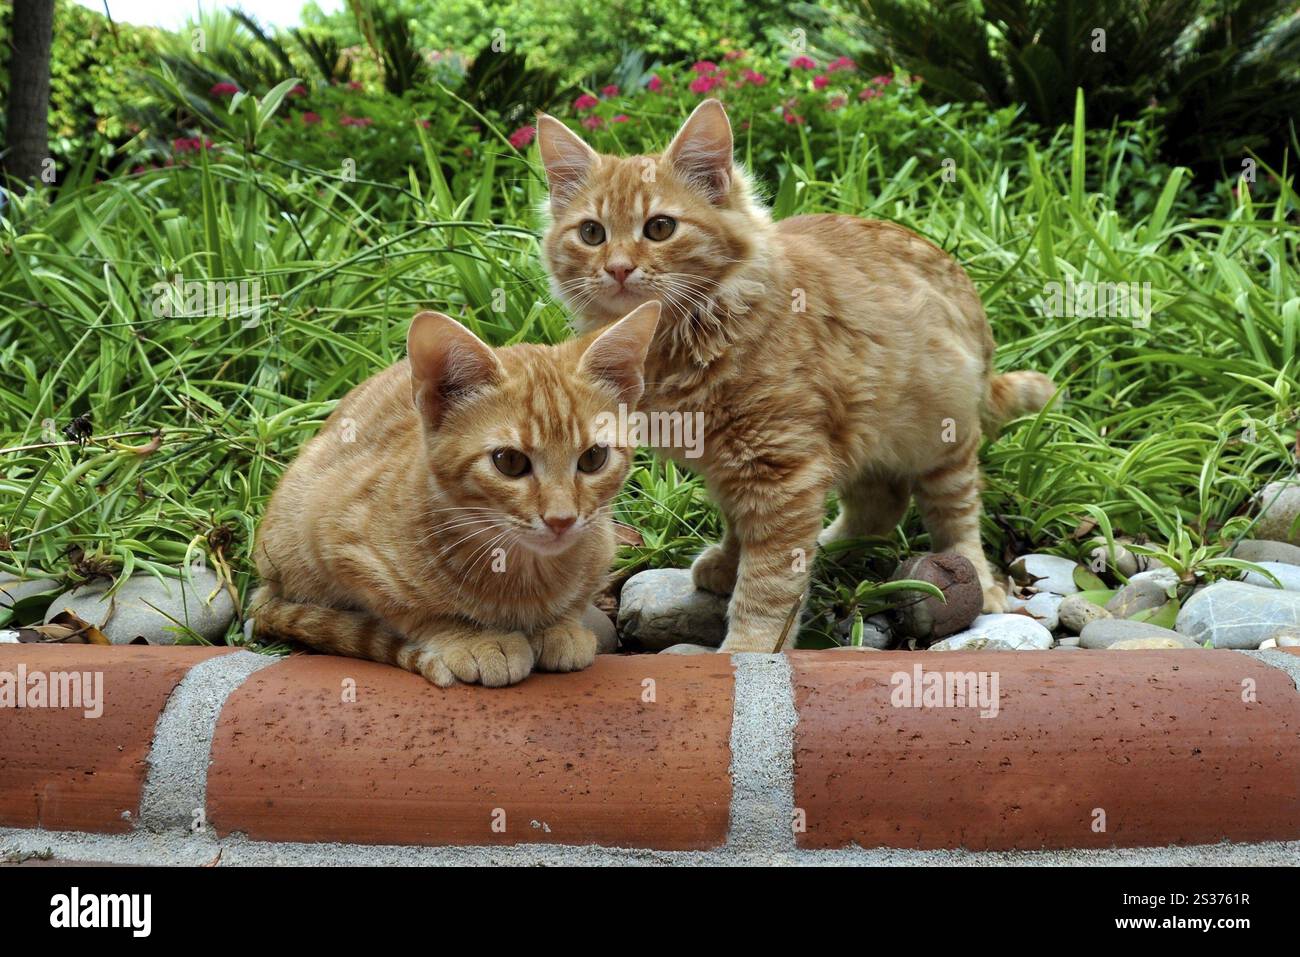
{"x":511,"y":462}
{"x":660,"y":228}
{"x":592,"y":233}
{"x":593,"y":460}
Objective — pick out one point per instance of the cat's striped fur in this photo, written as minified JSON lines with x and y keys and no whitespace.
{"x":826,"y":352}
{"x":395,"y":536}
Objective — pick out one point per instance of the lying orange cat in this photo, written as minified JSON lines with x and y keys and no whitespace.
{"x":453,"y":515}
{"x":826,"y":352}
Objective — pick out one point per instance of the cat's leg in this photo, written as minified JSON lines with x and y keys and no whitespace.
{"x":567,"y":645}
{"x":871,"y":506}
{"x":338,"y":631}
{"x":443,"y":651}
{"x":949,"y":500}
{"x":715,"y":568}
{"x":776,"y":527}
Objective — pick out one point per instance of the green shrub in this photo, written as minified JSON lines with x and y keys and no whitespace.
{"x":93,"y":75}
{"x":1223,"y":72}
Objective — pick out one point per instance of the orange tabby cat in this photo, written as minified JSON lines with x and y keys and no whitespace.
{"x":453,"y":515}
{"x":825,"y":352}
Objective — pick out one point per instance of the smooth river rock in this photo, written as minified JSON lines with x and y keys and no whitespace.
{"x":1045,"y":573}
{"x":1106,"y":632}
{"x":662,"y":607}
{"x":999,"y":632}
{"x":1288,"y":575}
{"x":1237,"y":614}
{"x":145,"y":607}
{"x":1279,"y":505}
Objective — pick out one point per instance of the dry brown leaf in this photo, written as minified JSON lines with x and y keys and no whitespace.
{"x":79,"y":631}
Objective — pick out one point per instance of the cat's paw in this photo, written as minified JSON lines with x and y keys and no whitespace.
{"x":995,"y":599}
{"x":492,"y":660}
{"x":567,"y":646}
{"x":715,"y":570}
{"x":836,"y":531}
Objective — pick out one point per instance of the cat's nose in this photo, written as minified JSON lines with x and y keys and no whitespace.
{"x":620,"y":270}
{"x":559,"y":524}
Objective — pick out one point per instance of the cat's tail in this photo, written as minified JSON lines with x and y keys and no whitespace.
{"x":332,"y":630}
{"x":1012,"y":394}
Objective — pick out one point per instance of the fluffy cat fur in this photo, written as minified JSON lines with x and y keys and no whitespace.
{"x":826,"y":352}
{"x":394,"y":536}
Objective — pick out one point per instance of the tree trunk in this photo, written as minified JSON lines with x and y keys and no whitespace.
{"x":27,"y":126}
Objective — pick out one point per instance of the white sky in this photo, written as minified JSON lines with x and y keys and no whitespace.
{"x":174,"y":13}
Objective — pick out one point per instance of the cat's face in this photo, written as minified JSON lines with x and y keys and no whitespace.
{"x":516,"y":439}
{"x":625,"y":230}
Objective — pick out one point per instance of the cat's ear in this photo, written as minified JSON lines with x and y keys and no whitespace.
{"x":568,"y":160}
{"x":448,"y":362}
{"x":617,"y":356}
{"x":701,"y":150}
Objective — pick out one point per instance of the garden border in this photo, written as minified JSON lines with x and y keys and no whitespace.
{"x":736,"y":770}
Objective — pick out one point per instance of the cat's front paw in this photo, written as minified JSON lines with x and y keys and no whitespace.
{"x":492,"y":660}
{"x":715,"y":570}
{"x":567,"y":646}
{"x":995,"y":599}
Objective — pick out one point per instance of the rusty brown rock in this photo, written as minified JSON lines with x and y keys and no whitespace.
{"x":924,"y":616}
{"x":632,"y":752}
{"x":1074,"y":736}
{"x":64,"y":771}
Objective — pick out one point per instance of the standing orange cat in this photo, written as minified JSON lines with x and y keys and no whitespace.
{"x":453,"y":515}
{"x":826,"y":352}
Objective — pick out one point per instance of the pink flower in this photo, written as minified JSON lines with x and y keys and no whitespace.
{"x":841,"y":63}
{"x":354,"y":85}
{"x":611,"y":90}
{"x":733,"y":54}
{"x":223,"y":89}
{"x":792,"y":118}
{"x":803,"y":63}
{"x":522,"y":136}
{"x":705,"y":67}
{"x":185,"y":145}
{"x":835,"y":102}
{"x":868,"y":94}
{"x":362,"y":121}
{"x":592,"y":122}
{"x":309,"y":118}
{"x":620,"y":118}
{"x":702,"y":84}
{"x":655,"y":84}
{"x":425,"y":123}
{"x":882,"y":80}
{"x":298,"y":90}
{"x":820,"y":81}
{"x":585,"y":102}
{"x":754,"y":77}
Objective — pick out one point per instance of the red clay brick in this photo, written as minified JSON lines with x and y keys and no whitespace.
{"x":1162,"y":742}
{"x":63,"y":771}
{"x":570,"y":759}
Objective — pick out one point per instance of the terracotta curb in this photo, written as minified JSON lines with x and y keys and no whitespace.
{"x":696,"y":759}
{"x":632,"y":752}
{"x":1085,"y":751}
{"x":64,"y":771}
